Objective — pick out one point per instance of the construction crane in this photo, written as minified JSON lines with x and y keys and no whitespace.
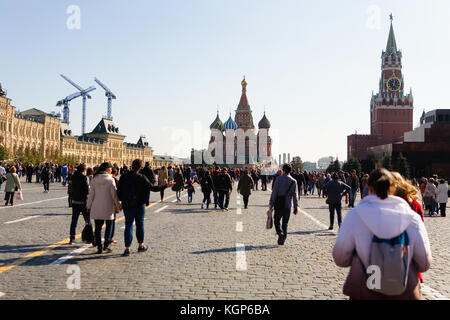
{"x":84,"y":94}
{"x":109,"y":95}
{"x":67,"y":99}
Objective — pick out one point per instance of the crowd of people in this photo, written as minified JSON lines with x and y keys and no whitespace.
{"x":100,"y":193}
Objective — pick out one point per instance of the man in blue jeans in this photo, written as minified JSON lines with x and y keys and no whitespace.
{"x":353,"y":183}
{"x":283,"y":194}
{"x":134,"y":192}
{"x":335,"y":189}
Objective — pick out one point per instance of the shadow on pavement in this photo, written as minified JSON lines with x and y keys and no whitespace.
{"x":233,"y":249}
{"x":309,"y":232}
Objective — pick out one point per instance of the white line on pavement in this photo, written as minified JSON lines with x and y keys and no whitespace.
{"x":2,"y":294}
{"x":28,"y":203}
{"x":237,"y":197}
{"x":315,"y":220}
{"x":241,"y":263}
{"x":238,"y":202}
{"x":71,"y":255}
{"x":161,"y":209}
{"x":239,"y":226}
{"x":238,"y":211}
{"x":268,"y":189}
{"x":27,"y":218}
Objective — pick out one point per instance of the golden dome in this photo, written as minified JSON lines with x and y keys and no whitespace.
{"x":244,"y":83}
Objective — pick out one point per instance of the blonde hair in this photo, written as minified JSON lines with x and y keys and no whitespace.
{"x":404,"y":188}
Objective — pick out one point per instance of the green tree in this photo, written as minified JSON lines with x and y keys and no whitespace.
{"x":352,"y":164}
{"x":334,"y":166}
{"x":402,"y":166}
{"x":297,"y":163}
{"x":387,"y":162}
{"x":4,"y":154}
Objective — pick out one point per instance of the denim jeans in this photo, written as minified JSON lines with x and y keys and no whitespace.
{"x":76,"y":210}
{"x":352,"y":198}
{"x":216,"y":198}
{"x":190,"y":193}
{"x":64,"y":180}
{"x":283,"y":214}
{"x":98,"y":233}
{"x":337,"y":207}
{"x":311,"y":187}
{"x":207,"y":198}
{"x":132,"y":215}
{"x":224,"y":195}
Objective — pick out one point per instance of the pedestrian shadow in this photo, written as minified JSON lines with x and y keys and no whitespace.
{"x":233,"y":249}
{"x":301,"y":233}
{"x":21,"y":248}
{"x":185,"y":211}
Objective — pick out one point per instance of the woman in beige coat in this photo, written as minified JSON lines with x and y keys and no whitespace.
{"x":163,"y":177}
{"x":102,"y":203}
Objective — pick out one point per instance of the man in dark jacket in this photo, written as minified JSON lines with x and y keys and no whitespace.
{"x":284,"y":194}
{"x":148,"y":173}
{"x":300,"y":181}
{"x":353,"y":182}
{"x":134,"y":192}
{"x":224,"y":187}
{"x":80,"y":191}
{"x":335,"y":189}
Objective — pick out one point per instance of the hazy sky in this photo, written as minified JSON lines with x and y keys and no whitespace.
{"x":311,"y":64}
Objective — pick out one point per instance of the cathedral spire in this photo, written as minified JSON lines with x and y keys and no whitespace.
{"x":391,"y":44}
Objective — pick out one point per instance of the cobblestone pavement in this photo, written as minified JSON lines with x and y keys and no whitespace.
{"x":193,"y":253}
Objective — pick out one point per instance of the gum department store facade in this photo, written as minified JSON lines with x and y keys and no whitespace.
{"x":47,"y":134}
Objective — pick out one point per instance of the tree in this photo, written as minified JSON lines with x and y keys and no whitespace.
{"x":387,"y":162}
{"x":334,"y":166}
{"x":352,"y":164}
{"x":4,"y":154}
{"x":401,"y":165}
{"x":297,"y":163}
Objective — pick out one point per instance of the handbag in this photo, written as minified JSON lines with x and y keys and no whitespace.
{"x":269,"y":221}
{"x":87,"y":235}
{"x":19,"y":195}
{"x":2,"y":179}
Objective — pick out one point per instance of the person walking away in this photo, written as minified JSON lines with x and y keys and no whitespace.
{"x":245,"y":187}
{"x":170,"y":173}
{"x":429,"y":196}
{"x":207,"y":186}
{"x":102,"y":203}
{"x":134,"y":192}
{"x":190,"y":189}
{"x":163,"y":177}
{"x":442,"y":196}
{"x":148,"y":173}
{"x":114,"y":172}
{"x":363,"y":188}
{"x":80,"y":191}
{"x":179,"y":183}
{"x":284,"y":193}
{"x":12,"y":185}
{"x":224,"y":188}
{"x":64,"y":172}
{"x":45,"y":177}
{"x":380,"y":216}
{"x":335,"y":189}
{"x":30,"y":171}
{"x":215,"y":179}
{"x":320,"y":184}
{"x":2,"y":175}
{"x":353,"y":182}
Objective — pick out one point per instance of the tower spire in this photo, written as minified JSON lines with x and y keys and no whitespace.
{"x":391,"y":44}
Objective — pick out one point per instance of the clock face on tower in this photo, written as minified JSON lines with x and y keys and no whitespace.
{"x":394,"y":84}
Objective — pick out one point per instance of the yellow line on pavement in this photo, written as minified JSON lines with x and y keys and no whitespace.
{"x":35,"y":254}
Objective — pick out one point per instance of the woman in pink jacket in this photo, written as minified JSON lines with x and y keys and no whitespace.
{"x":385,"y":216}
{"x":102,"y":203}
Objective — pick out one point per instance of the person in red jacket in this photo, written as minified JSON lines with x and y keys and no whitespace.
{"x":407,"y":191}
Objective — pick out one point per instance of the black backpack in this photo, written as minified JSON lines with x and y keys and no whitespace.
{"x":130,"y":195}
{"x":87,"y":235}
